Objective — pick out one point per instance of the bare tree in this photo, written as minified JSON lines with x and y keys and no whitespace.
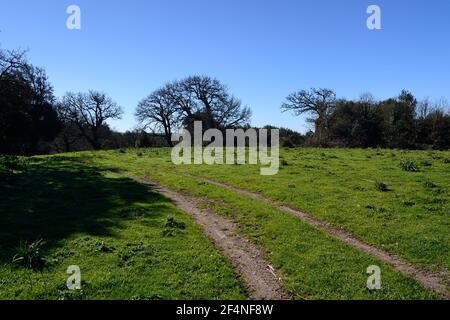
{"x":89,"y":112}
{"x":214,"y":103}
{"x":11,"y":60}
{"x":197,"y":98}
{"x":424,"y":107}
{"x":159,"y":112}
{"x":318,"y":103}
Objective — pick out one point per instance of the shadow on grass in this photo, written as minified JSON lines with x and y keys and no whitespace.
{"x":53,"y":199}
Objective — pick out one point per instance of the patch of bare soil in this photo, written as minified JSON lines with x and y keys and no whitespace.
{"x":260,"y":278}
{"x":438,"y":281}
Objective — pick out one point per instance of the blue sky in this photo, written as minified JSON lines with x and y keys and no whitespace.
{"x":263,"y":50}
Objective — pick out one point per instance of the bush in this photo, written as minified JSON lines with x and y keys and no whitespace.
{"x":30,"y":255}
{"x":409,"y":165}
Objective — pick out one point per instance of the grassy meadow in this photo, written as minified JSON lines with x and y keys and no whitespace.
{"x":118,"y":231}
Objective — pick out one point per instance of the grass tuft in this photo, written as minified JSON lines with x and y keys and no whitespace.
{"x":30,"y":255}
{"x":409,"y":165}
{"x":381,"y":186}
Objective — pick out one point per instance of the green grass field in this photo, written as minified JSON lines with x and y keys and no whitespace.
{"x":115,"y":229}
{"x":111,"y":227}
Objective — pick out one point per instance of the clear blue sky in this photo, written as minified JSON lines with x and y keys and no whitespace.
{"x":263,"y":50}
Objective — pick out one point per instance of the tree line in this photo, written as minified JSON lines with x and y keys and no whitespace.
{"x":34,"y":121}
{"x":401,"y":122}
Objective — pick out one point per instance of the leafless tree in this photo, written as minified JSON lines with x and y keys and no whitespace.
{"x":318,"y":103}
{"x":159,"y":112}
{"x":212,"y":100}
{"x":196,"y":98}
{"x":11,"y":60}
{"x":89,"y":112}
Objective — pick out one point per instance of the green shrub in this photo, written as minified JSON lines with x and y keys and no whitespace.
{"x":409,"y":165}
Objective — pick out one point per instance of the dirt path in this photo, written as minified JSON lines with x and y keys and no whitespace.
{"x":437,"y":282}
{"x":260,"y":278}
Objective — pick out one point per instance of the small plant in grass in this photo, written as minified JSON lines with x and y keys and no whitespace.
{"x":100,"y":246}
{"x":284,"y":162}
{"x":169,"y":233}
{"x":380,"y":212}
{"x":71,"y":295}
{"x":30,"y":255}
{"x":174,"y":224}
{"x":171,"y":226}
{"x":409,"y":165}
{"x":132,"y":212}
{"x":446,"y":160}
{"x":381,"y":186}
{"x":357,"y":187}
{"x":137,"y":249}
{"x":408,"y":203}
{"x":429,"y":184}
{"x":132,"y":250}
{"x":426,"y":163}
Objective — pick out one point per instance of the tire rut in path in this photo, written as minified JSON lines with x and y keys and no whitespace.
{"x":437,"y":282}
{"x":260,"y":279}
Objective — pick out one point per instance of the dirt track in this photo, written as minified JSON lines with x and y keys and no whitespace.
{"x":260,"y":279}
{"x":437,"y":282}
